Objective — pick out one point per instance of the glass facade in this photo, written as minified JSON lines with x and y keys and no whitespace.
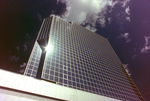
{"x":33,"y":63}
{"x":83,"y":60}
{"x":44,"y":31}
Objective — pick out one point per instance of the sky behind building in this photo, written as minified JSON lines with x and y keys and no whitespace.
{"x":125,"y":23}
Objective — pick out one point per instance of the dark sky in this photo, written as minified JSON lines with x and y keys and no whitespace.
{"x":125,"y":23}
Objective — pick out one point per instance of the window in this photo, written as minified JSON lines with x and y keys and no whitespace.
{"x":65,"y":67}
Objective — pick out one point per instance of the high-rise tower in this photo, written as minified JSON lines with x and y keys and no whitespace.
{"x":67,"y":54}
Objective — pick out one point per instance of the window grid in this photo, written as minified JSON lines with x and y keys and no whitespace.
{"x":81,"y":60}
{"x":33,"y":63}
{"x":76,"y":51}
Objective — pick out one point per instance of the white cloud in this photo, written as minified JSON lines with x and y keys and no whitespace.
{"x":125,"y":2}
{"x":128,"y":19}
{"x":112,"y":3}
{"x":21,"y":71}
{"x":147,"y":40}
{"x":22,"y":68}
{"x":91,"y":28}
{"x":146,"y":47}
{"x":88,"y":12}
{"x":127,"y":10}
{"x":79,"y":9}
{"x":127,"y":68}
{"x":101,"y":20}
{"x":62,"y":1}
{"x":14,"y":58}
{"x":109,"y":19}
{"x":125,"y":36}
{"x":23,"y":65}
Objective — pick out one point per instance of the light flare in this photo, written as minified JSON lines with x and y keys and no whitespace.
{"x":49,"y":48}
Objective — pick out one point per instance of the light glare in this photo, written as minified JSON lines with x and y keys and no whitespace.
{"x":49,"y":48}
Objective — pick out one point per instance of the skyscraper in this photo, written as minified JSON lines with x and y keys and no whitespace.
{"x":67,"y":54}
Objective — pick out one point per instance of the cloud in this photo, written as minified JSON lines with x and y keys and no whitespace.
{"x":79,"y":9}
{"x":14,"y":58}
{"x":25,"y":46}
{"x":39,"y":16}
{"x":62,"y":1}
{"x":22,"y":68}
{"x":125,"y":36}
{"x":27,"y":36}
{"x":86,"y":12}
{"x":23,"y":65}
{"x":91,"y":28}
{"x":127,"y":68}
{"x":101,"y":20}
{"x":147,"y":40}
{"x":21,"y":71}
{"x":146,"y":47}
{"x":90,"y":12}
{"x":127,"y":10}
{"x":128,"y":19}
{"x":134,"y":56}
{"x":125,"y":3}
{"x":56,"y":16}
{"x":53,"y":11}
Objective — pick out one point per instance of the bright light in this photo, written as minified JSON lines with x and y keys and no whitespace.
{"x":49,"y":48}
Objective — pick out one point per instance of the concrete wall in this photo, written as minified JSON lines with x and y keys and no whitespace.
{"x":16,"y":87}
